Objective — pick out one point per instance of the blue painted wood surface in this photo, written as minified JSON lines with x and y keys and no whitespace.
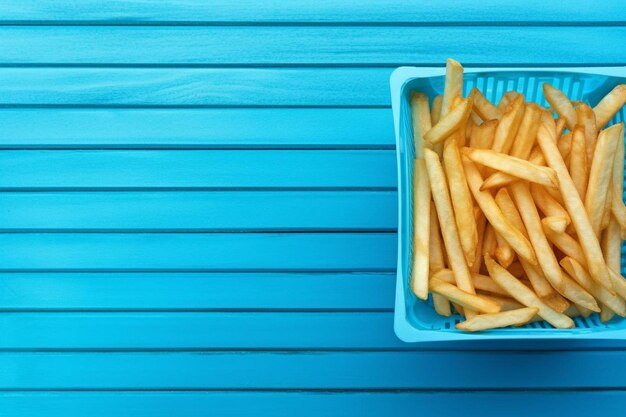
{"x":198,"y":209}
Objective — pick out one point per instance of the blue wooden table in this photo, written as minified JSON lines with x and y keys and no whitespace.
{"x":198,"y":209}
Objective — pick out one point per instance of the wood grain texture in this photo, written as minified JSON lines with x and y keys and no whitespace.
{"x":139,"y":12}
{"x":196,"y":251}
{"x":288,"y":404}
{"x":192,"y":169}
{"x":199,"y":211}
{"x":312,"y":370}
{"x":300,"y":45}
{"x":198,"y":291}
{"x":196,"y":128}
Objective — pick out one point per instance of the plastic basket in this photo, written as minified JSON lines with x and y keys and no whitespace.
{"x":416,"y":320}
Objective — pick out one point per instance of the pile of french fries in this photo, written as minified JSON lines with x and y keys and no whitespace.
{"x":517,"y":213}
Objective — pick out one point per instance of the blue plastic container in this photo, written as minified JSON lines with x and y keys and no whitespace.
{"x":416,"y":320}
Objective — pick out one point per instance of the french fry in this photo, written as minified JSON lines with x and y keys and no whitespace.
{"x":450,"y":122}
{"x":557,"y":302}
{"x":420,"y":113}
{"x":437,"y":260}
{"x":435,"y":114}
{"x":560,"y":127}
{"x":421,"y":230}
{"x":600,"y":174}
{"x":490,"y":243}
{"x":565,"y":146}
{"x":527,"y":132}
{"x":524,"y":295}
{"x":606,"y":211}
{"x":554,"y":224}
{"x":606,"y":313}
{"x":483,"y":107}
{"x":617,"y":188}
{"x":566,"y":244}
{"x":501,"y":179}
{"x":481,"y":322}
{"x":492,"y":212}
{"x":547,"y":204}
{"x":453,"y":86}
{"x":504,"y":254}
{"x":619,"y":283}
{"x":578,"y":161}
{"x":576,"y":293}
{"x":462,"y":201}
{"x":584,"y":312}
{"x":506,"y":99}
{"x":527,"y":210}
{"x":464,"y":299}
{"x":511,"y":165}
{"x":609,"y":105}
{"x":588,"y":239}
{"x":587,"y":119}
{"x":578,"y":272}
{"x":441,"y":197}
{"x":561,"y":104}
{"x":506,"y":303}
{"x":481,"y":224}
{"x":483,"y":135}
{"x":481,"y":282}
{"x":509,"y":125}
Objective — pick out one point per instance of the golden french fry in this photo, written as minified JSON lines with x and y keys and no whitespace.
{"x":481,"y":223}
{"x":561,"y":104}
{"x":587,"y":119}
{"x":481,"y":282}
{"x":588,"y":239}
{"x":503,"y":253}
{"x":506,"y":99}
{"x":578,"y":161}
{"x":584,"y":312}
{"x":555,"y":224}
{"x":612,"y":248}
{"x":450,"y":122}
{"x":442,"y":305}
{"x":494,"y":215}
{"x":441,"y":197}
{"x":619,"y":283}
{"x":610,"y":105}
{"x":566,"y":244}
{"x":547,"y":204}
{"x":524,"y":295}
{"x":511,"y":165}
{"x":462,"y":201}
{"x":481,"y":322}
{"x":578,"y":272}
{"x":453,"y":86}
{"x":527,"y":210}
{"x":506,"y":303}
{"x":509,"y":125}
{"x":421,"y":230}
{"x":556,"y":302}
{"x":483,"y":135}
{"x":420,"y":113}
{"x":435,"y":114}
{"x":606,"y":313}
{"x":600,"y":174}
{"x":617,"y":188}
{"x":560,"y":127}
{"x":606,"y":211}
{"x":489,"y":242}
{"x":565,"y":146}
{"x":435,"y":245}
{"x":464,"y":299}
{"x":527,"y":132}
{"x":500,"y":179}
{"x":577,"y":294}
{"x":483,"y":107}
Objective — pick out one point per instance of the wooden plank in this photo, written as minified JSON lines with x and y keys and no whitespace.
{"x":247,"y":87}
{"x":219,"y":251}
{"x":196,"y":128}
{"x":331,"y":404}
{"x":307,"y":45}
{"x":205,"y":169}
{"x":138,"y":12}
{"x":166,"y":331}
{"x":471,"y":370}
{"x":292,"y":330}
{"x":199,"y":211}
{"x":196,"y":291}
